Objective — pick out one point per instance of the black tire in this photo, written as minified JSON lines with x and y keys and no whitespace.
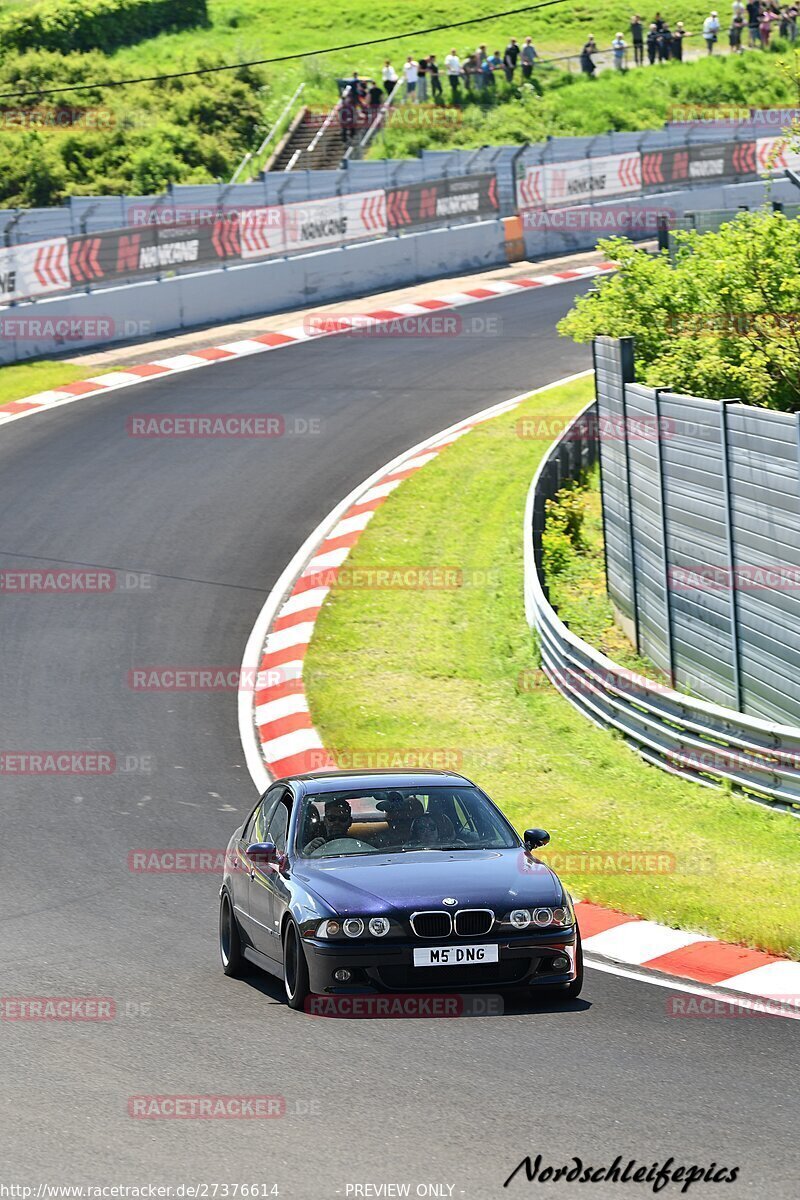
{"x":295,"y":968}
{"x":571,"y":991}
{"x":230,"y":944}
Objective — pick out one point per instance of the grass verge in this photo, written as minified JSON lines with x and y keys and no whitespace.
{"x":24,"y":379}
{"x":454,"y":669}
{"x":576,"y":581}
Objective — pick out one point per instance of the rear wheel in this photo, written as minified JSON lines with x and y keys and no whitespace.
{"x":230,"y":946}
{"x":295,"y":968}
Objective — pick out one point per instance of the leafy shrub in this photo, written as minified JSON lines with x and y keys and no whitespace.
{"x":721,"y":321}
{"x":139,"y":139}
{"x":67,"y":25}
{"x":562,"y":540}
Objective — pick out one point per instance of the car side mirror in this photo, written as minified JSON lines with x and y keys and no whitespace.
{"x":262,"y":854}
{"x":535,"y":838}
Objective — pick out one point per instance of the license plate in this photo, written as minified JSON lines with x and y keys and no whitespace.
{"x":455,"y":956}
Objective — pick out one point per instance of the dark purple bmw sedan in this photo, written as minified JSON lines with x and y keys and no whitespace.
{"x":397,"y":881}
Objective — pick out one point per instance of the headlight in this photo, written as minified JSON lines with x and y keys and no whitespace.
{"x":561,"y":917}
{"x":520,"y":918}
{"x":379,"y":926}
{"x":353,"y":927}
{"x":329,"y":929}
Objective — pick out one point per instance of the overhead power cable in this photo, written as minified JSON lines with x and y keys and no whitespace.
{"x":261,"y":62}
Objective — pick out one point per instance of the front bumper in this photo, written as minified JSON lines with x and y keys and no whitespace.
{"x":388,"y":966}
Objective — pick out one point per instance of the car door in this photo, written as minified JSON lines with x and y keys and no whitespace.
{"x":254,"y":831}
{"x":268,"y":888}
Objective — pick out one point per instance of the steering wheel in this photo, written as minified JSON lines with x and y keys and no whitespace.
{"x":342,"y":846}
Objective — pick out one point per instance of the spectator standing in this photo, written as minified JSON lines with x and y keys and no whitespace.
{"x":528,"y":56}
{"x":658,"y":21}
{"x":587,"y":60}
{"x":374,"y":99}
{"x":471,"y":72}
{"x":637,"y":37}
{"x":753,"y":18}
{"x":422,"y":81}
{"x":765,"y":26}
{"x":510,"y":57}
{"x":618,"y":47}
{"x":452,"y":65}
{"x":495,"y":64}
{"x":411,"y":75}
{"x":738,"y":9}
{"x":665,"y":43}
{"x":735,"y":34}
{"x":652,"y":43}
{"x":710,"y":31}
{"x":436,"y":83}
{"x":678,"y":35}
{"x":389,"y":77}
{"x":791,"y":13}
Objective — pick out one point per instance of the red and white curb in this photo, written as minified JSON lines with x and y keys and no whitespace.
{"x":279,"y":739}
{"x":320,"y":325}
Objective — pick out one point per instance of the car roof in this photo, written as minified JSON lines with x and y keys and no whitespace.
{"x":334,"y":781}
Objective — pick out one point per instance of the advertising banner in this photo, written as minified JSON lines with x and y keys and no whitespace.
{"x":34,"y":269}
{"x":420,"y":204}
{"x":338,"y":219}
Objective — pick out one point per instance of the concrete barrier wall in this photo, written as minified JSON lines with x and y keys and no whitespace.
{"x":277,"y":285}
{"x":247,"y":290}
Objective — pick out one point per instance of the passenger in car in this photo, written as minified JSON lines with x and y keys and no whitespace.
{"x":400,"y":812}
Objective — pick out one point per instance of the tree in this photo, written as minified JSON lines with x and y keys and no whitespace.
{"x":721,"y":320}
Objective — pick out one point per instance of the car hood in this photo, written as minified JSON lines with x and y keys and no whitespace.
{"x":498,"y":879}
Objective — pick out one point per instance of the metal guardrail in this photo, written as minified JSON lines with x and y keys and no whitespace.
{"x":256,"y":155}
{"x":691,"y":738}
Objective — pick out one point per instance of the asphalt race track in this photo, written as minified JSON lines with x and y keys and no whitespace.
{"x":454,"y":1103}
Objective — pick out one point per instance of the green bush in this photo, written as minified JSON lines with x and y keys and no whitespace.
{"x":136,"y":140}
{"x":721,"y":321}
{"x":67,"y":25}
{"x":562,"y":539}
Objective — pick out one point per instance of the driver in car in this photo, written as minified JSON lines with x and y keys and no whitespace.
{"x":336,"y":824}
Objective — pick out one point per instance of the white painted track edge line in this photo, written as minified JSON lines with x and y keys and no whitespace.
{"x":676,"y":983}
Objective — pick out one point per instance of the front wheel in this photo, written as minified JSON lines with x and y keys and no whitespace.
{"x":572,"y":990}
{"x":295,"y":968}
{"x":230,"y":946}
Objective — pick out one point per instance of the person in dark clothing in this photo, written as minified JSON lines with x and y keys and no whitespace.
{"x":637,"y":37}
{"x":433,"y":72}
{"x":665,"y":43}
{"x":510,"y":56}
{"x":735,"y":35}
{"x":587,"y":62}
{"x":677,"y":41}
{"x":753,"y":20}
{"x":658,"y":21}
{"x":374,"y":99}
{"x":652,"y":44}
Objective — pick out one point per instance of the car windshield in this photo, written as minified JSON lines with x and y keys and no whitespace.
{"x":399,"y":820}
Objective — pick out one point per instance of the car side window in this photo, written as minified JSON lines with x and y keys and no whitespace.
{"x":279,"y":823}
{"x":257,"y":830}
